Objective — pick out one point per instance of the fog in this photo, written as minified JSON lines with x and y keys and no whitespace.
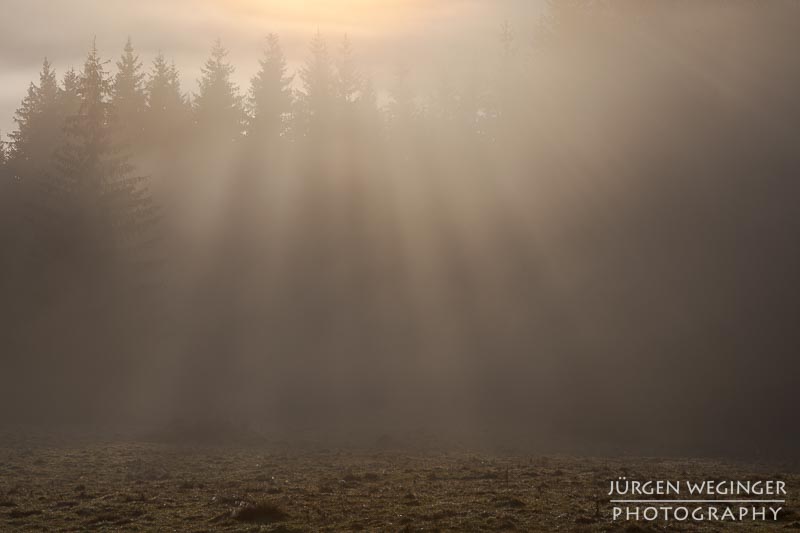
{"x":388,"y":32}
{"x":568,"y":227}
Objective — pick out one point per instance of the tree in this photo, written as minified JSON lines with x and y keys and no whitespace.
{"x":355,"y":95}
{"x":29,"y":165}
{"x":91,"y":250}
{"x":318,"y":92}
{"x":348,"y":80}
{"x":167,"y":109}
{"x":270,"y":98}
{"x":69,"y":100}
{"x":218,"y":106}
{"x":128,"y":97}
{"x":39,"y":124}
{"x":103,"y":210}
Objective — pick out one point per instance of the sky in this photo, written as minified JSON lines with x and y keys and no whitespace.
{"x":423,"y":36}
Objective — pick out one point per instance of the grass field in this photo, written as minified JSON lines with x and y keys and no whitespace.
{"x":58,"y":484}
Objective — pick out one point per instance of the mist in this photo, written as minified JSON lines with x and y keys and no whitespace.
{"x":389,"y":33}
{"x":570,"y":226}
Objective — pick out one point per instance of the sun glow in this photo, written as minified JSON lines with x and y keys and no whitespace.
{"x":357,"y":16}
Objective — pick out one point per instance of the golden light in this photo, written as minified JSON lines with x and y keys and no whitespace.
{"x":356,"y":16}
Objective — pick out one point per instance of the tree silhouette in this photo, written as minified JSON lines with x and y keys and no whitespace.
{"x":100,"y":216}
{"x":318,"y":93}
{"x":167,"y":109}
{"x":39,"y":122}
{"x":348,"y":83}
{"x":218,"y":106}
{"x":355,"y":96}
{"x":70,"y":100}
{"x":93,"y":224}
{"x":128,"y":97}
{"x":370,"y":118}
{"x":270,"y":97}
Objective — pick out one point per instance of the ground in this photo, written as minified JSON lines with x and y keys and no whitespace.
{"x":59,"y":484}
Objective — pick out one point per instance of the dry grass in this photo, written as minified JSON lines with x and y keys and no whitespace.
{"x":139,"y":486}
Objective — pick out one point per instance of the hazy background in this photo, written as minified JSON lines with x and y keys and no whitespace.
{"x":387,"y":33}
{"x":580,"y":234}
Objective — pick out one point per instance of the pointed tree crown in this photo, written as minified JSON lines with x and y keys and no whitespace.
{"x":128,"y":86}
{"x":218,"y":105}
{"x":348,"y":80}
{"x":164,"y":87}
{"x":69,"y":100}
{"x":270,"y":98}
{"x":87,"y":141}
{"x":37,"y":117}
{"x":317,"y":76}
{"x":93,"y":89}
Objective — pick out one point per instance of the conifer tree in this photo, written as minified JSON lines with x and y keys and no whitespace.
{"x":128,"y":96}
{"x":218,"y":105}
{"x":87,"y":244}
{"x":40,"y":121}
{"x":100,"y":217}
{"x":348,"y":81}
{"x":270,"y":98}
{"x":69,"y":99}
{"x":318,"y":92}
{"x":39,"y":125}
{"x":167,"y":109}
{"x":367,"y":103}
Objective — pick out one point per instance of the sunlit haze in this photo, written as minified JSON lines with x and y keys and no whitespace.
{"x":395,"y":265}
{"x":388,"y":34}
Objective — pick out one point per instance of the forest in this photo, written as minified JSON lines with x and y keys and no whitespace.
{"x":591,"y":244}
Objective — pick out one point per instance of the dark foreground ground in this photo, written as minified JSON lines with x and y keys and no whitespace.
{"x":57,"y":484}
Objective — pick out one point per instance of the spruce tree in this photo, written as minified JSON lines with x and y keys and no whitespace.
{"x":90,"y":258}
{"x":167,"y":109}
{"x":69,"y":101}
{"x":30,"y":164}
{"x":39,"y":125}
{"x":270,"y":98}
{"x":367,"y":103}
{"x":101,"y":214}
{"x":218,"y":108}
{"x":318,"y":94}
{"x":348,"y":80}
{"x":128,"y":97}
